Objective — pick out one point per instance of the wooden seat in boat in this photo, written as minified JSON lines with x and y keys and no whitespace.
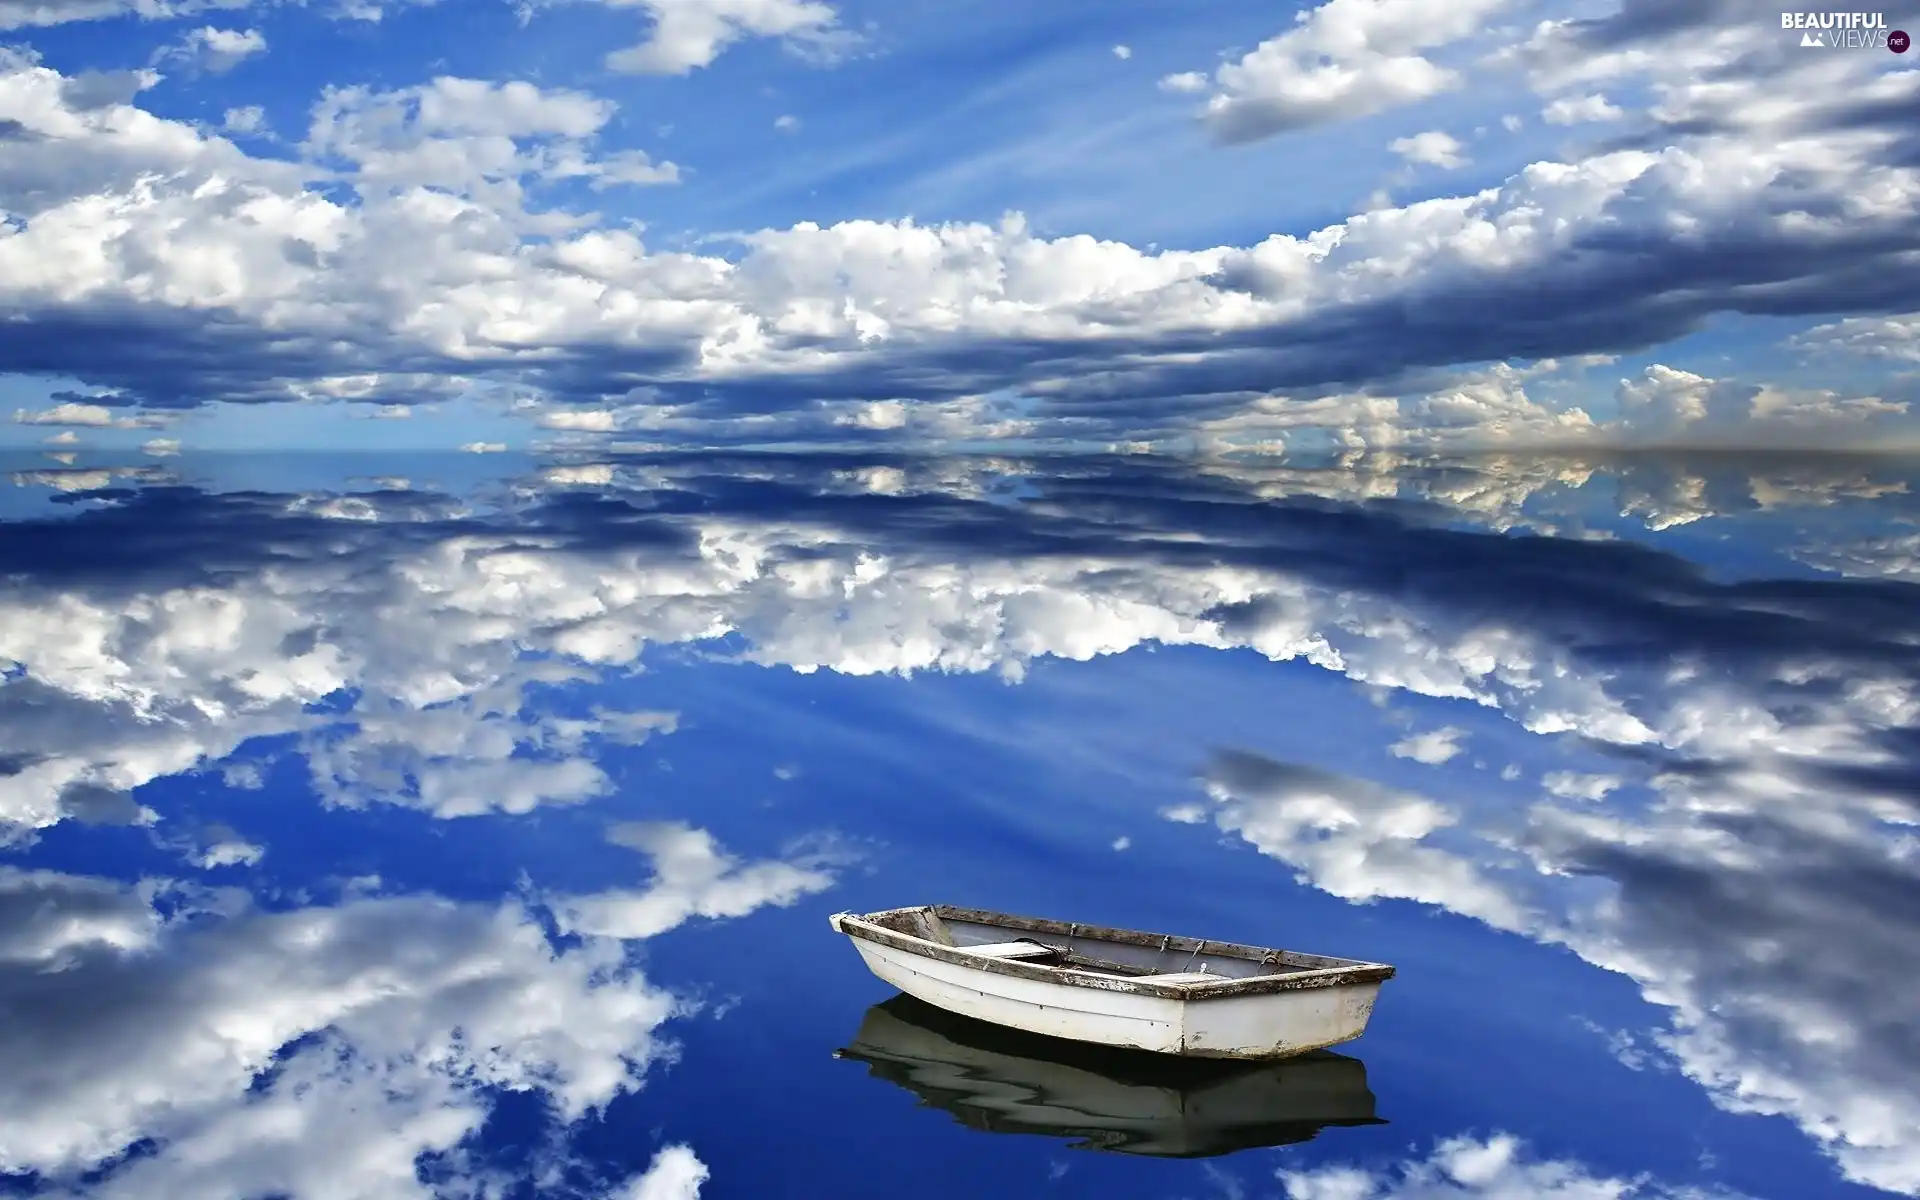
{"x":1008,"y":950}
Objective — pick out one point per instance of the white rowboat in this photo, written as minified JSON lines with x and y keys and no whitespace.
{"x":1118,"y":987}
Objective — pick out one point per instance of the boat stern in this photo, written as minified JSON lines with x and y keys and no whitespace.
{"x":1277,"y":1024}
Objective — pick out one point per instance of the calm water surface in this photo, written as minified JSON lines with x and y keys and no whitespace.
{"x":468,"y":826}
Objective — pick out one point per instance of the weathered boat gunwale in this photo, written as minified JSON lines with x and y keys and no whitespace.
{"x":1347,"y":972}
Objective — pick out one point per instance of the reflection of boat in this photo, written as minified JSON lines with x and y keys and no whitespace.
{"x":1006,"y":1081}
{"x":1118,"y":987}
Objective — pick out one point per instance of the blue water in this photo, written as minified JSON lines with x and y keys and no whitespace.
{"x":476,"y":837}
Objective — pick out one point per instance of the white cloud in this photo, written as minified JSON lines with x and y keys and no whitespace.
{"x":393,"y":412}
{"x":30,"y":14}
{"x":1891,"y":557}
{"x":46,"y":917}
{"x":878,"y":414}
{"x":387,"y":1021}
{"x":484,"y":447}
{"x":786,"y":122}
{"x":1666,"y":395}
{"x":85,"y":480}
{"x":634,"y":167}
{"x":250,"y":118}
{"x":1433,"y":747}
{"x":1434,"y":148}
{"x":86,"y":416}
{"x":584,"y":421}
{"x":689,"y":34}
{"x":472,"y":753}
{"x":674,"y":1174}
{"x":1511,"y":123}
{"x":1573,"y":785}
{"x":1345,"y":59}
{"x":582,"y":475}
{"x":215,"y":50}
{"x":1184,"y":82}
{"x":444,"y":259}
{"x":1472,"y":1168}
{"x":230,"y":852}
{"x":1123,"y":52}
{"x":1767,"y":848}
{"x":692,"y":877}
{"x":1718,"y":903}
{"x":473,"y":137}
{"x":1356,"y":839}
{"x":1575,"y":110}
{"x":1896,"y":338}
{"x":160,"y":447}
{"x":65,"y":437}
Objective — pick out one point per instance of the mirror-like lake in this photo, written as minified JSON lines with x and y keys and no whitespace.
{"x":468,"y":827}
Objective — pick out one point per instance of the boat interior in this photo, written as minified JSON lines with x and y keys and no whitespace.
{"x":1163,"y":958}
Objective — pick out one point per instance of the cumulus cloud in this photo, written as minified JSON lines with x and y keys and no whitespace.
{"x":249,"y":118}
{"x":1472,"y":1168}
{"x":1345,"y":59}
{"x":582,"y":475}
{"x":222,"y":847}
{"x":583,"y":421}
{"x":1574,"y":110}
{"x":1433,"y":747}
{"x":1718,"y":905}
{"x":478,"y":751}
{"x":690,"y":34}
{"x":1433,"y":148}
{"x":29,"y":14}
{"x":473,"y":138}
{"x":86,"y":479}
{"x":692,"y":878}
{"x":215,"y":50}
{"x":1353,"y":838}
{"x":1122,"y":52}
{"x":675,"y":1173}
{"x":258,"y":286}
{"x":321,"y":1049}
{"x":1896,"y":338}
{"x":83,"y":415}
{"x":1573,"y":785}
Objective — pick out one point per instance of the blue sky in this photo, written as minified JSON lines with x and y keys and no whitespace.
{"x":1214,"y":225}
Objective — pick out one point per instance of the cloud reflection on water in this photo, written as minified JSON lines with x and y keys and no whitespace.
{"x":167,"y":1039}
{"x":1758,"y":703}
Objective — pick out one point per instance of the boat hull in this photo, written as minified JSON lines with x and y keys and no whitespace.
{"x":1267,"y":1025}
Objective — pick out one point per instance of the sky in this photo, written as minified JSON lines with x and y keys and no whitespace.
{"x":944,"y":224}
